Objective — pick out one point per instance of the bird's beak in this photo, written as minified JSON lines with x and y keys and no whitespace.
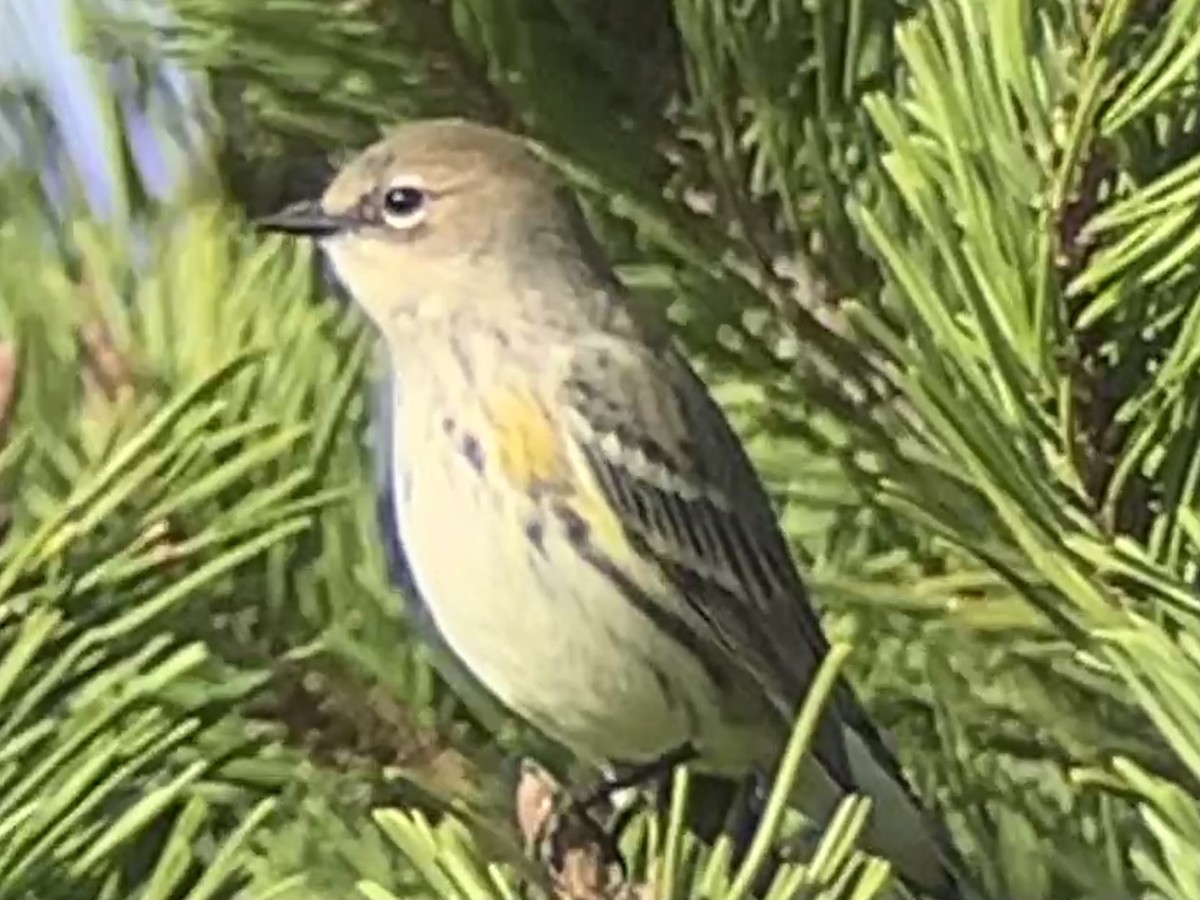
{"x":306,"y":218}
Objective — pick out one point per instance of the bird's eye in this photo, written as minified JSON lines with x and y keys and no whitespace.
{"x":404,"y":205}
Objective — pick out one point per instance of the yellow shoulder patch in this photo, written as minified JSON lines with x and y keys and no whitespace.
{"x":530,"y":447}
{"x":531,"y":452}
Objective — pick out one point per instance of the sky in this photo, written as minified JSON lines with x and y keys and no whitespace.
{"x":37,"y":41}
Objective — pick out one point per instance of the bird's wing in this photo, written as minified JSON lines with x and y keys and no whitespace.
{"x":685,"y":493}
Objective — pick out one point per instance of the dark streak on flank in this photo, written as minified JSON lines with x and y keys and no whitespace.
{"x":473,"y":452}
{"x":577,"y":528}
{"x":701,"y":646}
{"x":536,"y":532}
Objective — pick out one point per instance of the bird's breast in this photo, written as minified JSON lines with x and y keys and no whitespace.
{"x":545,"y":628}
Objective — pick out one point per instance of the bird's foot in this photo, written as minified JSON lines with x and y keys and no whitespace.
{"x":654,"y":773}
{"x":574,"y":835}
{"x":577,"y":852}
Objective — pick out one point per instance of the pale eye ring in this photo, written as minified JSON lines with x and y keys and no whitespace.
{"x":404,"y":203}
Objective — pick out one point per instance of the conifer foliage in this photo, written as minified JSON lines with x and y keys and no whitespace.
{"x":938,"y":259}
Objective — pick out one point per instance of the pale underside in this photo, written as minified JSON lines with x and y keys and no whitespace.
{"x":561,"y":616}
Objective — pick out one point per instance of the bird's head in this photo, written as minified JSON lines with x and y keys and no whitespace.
{"x":440,"y":214}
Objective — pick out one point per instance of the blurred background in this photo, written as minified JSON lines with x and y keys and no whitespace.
{"x":937,"y":259}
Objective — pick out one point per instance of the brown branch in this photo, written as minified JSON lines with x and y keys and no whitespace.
{"x":578,"y":853}
{"x":1075,"y":246}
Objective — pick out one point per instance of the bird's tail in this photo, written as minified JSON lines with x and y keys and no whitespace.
{"x":903,"y":832}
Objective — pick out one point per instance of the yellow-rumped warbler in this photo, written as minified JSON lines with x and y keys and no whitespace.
{"x":581,"y":521}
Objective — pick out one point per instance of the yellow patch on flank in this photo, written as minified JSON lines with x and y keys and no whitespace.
{"x":529,"y":445}
{"x":532,"y":452}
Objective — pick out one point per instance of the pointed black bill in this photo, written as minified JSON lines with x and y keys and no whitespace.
{"x":305,"y":218}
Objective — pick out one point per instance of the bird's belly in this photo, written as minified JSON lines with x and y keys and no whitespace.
{"x":549,"y":634}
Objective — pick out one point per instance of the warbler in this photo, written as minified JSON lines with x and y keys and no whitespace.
{"x":582,"y":523}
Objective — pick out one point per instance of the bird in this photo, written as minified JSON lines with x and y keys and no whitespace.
{"x":585,"y":528}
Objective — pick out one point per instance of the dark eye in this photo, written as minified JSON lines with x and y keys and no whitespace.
{"x":403,"y":205}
